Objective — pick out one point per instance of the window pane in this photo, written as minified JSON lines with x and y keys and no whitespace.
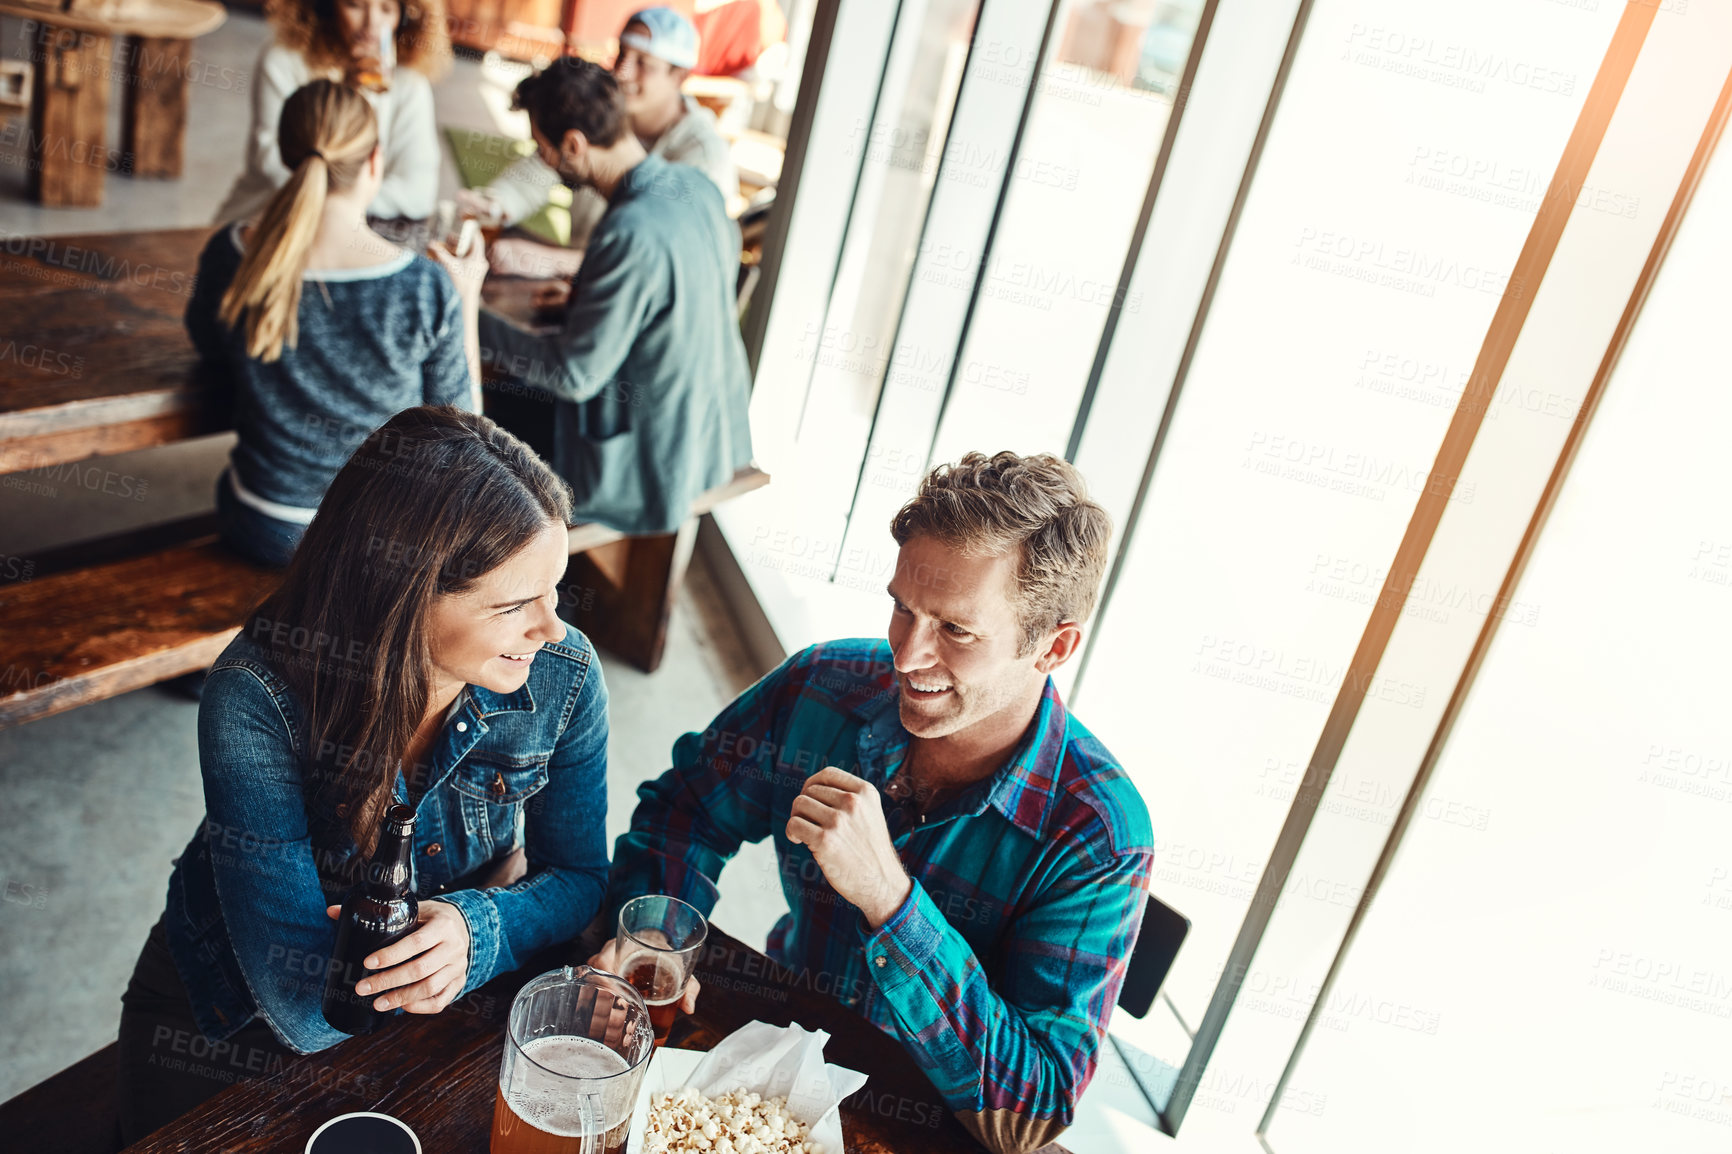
{"x":901,"y":147}
{"x":1561,"y":963}
{"x":1100,"y":109}
{"x":1354,"y":300}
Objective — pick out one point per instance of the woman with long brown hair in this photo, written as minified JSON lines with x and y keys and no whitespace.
{"x":349,"y":41}
{"x":411,"y":656}
{"x":323,"y":327}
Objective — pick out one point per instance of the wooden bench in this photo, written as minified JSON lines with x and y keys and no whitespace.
{"x":620,"y":590}
{"x":102,"y":618}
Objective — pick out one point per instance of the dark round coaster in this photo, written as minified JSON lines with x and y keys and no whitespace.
{"x":363,"y":1134}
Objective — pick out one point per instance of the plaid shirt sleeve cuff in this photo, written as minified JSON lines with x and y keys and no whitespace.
{"x":905,"y":945}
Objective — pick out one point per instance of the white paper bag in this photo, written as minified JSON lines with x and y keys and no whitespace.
{"x":781,"y":1061}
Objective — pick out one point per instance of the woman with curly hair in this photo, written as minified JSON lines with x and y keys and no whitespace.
{"x":346,"y":40}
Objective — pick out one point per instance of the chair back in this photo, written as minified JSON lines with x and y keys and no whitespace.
{"x":1163,"y":932}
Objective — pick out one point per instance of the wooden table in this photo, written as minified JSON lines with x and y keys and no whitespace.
{"x":94,"y":359}
{"x":109,"y":367}
{"x":439,"y":1073}
{"x":71,"y":48}
{"x":99,"y":360}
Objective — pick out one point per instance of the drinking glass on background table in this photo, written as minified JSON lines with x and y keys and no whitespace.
{"x":576,"y":1049}
{"x":377,"y":61}
{"x":456,"y":230}
{"x":657,"y":950}
{"x":487,"y":212}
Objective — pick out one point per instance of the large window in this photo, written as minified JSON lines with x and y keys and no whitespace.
{"x":1245,"y":285}
{"x":1552,"y":948}
{"x":1002,"y":176}
{"x":1353,"y":301}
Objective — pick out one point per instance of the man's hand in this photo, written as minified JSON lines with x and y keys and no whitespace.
{"x":424,"y":971}
{"x":480,"y":204}
{"x":549,"y":300}
{"x":607,"y":958}
{"x":839,"y":818}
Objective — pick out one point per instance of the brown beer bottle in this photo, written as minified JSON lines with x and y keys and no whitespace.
{"x":378,"y":911}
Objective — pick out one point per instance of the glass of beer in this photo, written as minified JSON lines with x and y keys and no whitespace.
{"x":657,"y":950}
{"x":578,"y":1044}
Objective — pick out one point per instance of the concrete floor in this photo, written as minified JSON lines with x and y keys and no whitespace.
{"x":99,"y":800}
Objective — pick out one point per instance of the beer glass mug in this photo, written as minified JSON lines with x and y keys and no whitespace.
{"x":576,"y":1049}
{"x":657,"y":950}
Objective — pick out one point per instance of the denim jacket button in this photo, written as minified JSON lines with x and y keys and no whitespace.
{"x":434,"y":850}
{"x":462,"y":727}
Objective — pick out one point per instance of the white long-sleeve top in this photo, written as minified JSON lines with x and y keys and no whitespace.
{"x":407,"y":133}
{"x":693,"y":139}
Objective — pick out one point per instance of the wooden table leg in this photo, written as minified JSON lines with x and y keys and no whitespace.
{"x":625,"y":608}
{"x":153,"y":122}
{"x":69,"y":118}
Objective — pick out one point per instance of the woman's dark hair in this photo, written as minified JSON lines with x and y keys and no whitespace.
{"x":432,"y":501}
{"x":573,"y":93}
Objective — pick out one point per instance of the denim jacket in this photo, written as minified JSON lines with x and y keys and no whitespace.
{"x":246,"y":915}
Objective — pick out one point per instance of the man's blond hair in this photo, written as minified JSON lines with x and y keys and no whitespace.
{"x":1035,"y":507}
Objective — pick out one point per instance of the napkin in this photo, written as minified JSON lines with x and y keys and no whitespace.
{"x":782,"y":1061}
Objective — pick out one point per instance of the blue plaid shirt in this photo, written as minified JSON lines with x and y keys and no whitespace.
{"x":999,"y":971}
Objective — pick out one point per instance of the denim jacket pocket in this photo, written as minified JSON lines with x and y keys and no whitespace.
{"x":499,"y":780}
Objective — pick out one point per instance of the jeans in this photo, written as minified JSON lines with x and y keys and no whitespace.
{"x":259,"y":538}
{"x":166,"y":1065}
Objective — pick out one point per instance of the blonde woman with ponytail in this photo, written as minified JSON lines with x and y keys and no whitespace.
{"x":324,"y":328}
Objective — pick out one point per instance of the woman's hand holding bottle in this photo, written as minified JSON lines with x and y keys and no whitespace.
{"x":424,"y":972}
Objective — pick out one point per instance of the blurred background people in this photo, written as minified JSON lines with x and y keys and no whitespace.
{"x":647,"y":370}
{"x":322,"y":327}
{"x":658,"y":49}
{"x":401,"y":45}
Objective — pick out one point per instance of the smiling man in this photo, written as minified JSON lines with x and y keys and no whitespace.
{"x":964,"y":863}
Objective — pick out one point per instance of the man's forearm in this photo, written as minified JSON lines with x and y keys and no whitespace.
{"x":676,"y":868}
{"x":953,"y":1023}
{"x":530,"y":358}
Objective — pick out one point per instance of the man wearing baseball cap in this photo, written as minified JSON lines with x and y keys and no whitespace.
{"x":657,"y":50}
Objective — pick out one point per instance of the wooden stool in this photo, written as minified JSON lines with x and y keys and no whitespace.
{"x":72,"y":50}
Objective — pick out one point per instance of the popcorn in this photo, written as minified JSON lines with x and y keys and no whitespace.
{"x":737,"y":1122}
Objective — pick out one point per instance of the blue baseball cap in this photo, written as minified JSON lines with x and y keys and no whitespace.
{"x":671,"y":36}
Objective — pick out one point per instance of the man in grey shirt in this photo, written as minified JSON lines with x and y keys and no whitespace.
{"x":647,"y":369}
{"x":657,"y":49}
